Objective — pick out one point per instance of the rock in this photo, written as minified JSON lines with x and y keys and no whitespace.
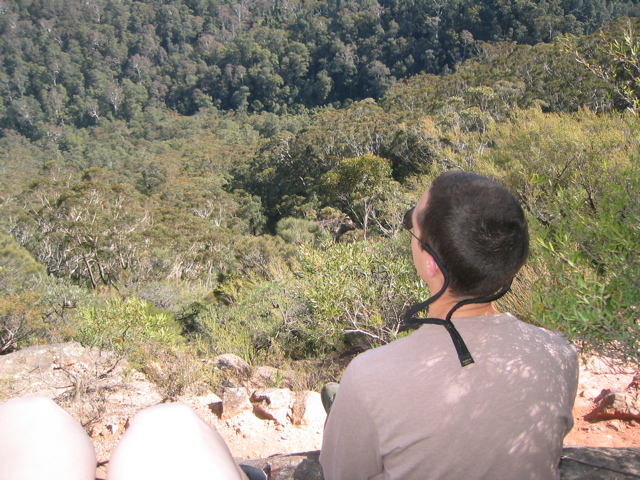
{"x":68,"y":371}
{"x":616,"y":405}
{"x":617,"y":425}
{"x":263,"y":377}
{"x":272,"y":404}
{"x":634,"y":386}
{"x":270,"y":377}
{"x":232,"y":363}
{"x":234,"y":402}
{"x":590,"y":393}
{"x":236,"y":370}
{"x":307,"y":409}
{"x":213,"y":402}
{"x":578,"y":463}
{"x":591,"y":463}
{"x":51,"y":370}
{"x":298,"y":466}
{"x":208,"y":399}
{"x":102,"y":392}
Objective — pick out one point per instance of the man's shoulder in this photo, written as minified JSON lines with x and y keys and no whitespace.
{"x":548,"y":348}
{"x":396,"y":356}
{"x":550,"y":336}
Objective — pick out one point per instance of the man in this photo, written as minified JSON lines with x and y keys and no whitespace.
{"x":485,"y":397}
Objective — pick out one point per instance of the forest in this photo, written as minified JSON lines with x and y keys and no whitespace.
{"x":190,"y":178}
{"x":74,"y":63}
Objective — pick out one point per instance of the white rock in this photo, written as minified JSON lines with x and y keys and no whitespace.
{"x":234,"y":402}
{"x":273,"y":404}
{"x":308,"y":409}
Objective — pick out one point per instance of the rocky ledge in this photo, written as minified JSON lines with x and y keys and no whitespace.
{"x":258,"y":422}
{"x":578,"y":463}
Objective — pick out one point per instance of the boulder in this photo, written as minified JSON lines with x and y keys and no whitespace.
{"x":578,"y":463}
{"x":263,"y":377}
{"x":616,"y":405}
{"x":592,"y":463}
{"x":236,"y":370}
{"x":213,"y":402}
{"x":234,"y":402}
{"x":307,"y":409}
{"x":49,"y":370}
{"x":69,"y":372}
{"x":232,"y":363}
{"x":272,"y":404}
{"x":268,"y":377}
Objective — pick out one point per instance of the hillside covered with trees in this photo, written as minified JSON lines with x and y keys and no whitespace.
{"x":73,"y":62}
{"x":181,"y":180}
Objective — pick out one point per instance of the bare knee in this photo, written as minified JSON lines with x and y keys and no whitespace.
{"x":40,"y":413}
{"x":171,"y":441}
{"x":39,"y":439}
{"x":30,"y":406}
{"x":167,"y":416}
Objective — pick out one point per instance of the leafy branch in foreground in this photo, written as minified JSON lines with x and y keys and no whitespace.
{"x":617,"y":61}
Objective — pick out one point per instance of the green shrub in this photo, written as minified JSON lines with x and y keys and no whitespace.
{"x":344,"y":296}
{"x":590,"y":288}
{"x":357,"y":292}
{"x":297,"y":231}
{"x":123,"y":325}
{"x":21,"y":321}
{"x":263,"y":257}
{"x":174,"y":369}
{"x":18,"y":269}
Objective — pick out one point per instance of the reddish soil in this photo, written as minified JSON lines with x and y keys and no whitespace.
{"x":597,"y":375}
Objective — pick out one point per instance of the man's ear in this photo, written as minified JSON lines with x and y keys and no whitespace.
{"x":432,"y":267}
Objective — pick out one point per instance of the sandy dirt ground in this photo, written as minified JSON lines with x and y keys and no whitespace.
{"x":597,"y":375}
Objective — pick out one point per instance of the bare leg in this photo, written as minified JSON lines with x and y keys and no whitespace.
{"x":170,"y":441}
{"x":40,"y":440}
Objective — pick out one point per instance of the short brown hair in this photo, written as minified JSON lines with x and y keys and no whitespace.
{"x":478,"y":230}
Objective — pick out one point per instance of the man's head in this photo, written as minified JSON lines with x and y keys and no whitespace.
{"x":476,"y":228}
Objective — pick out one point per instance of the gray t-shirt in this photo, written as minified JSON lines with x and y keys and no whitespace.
{"x":409,"y":411}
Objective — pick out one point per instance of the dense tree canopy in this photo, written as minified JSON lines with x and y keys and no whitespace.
{"x":77,"y":63}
